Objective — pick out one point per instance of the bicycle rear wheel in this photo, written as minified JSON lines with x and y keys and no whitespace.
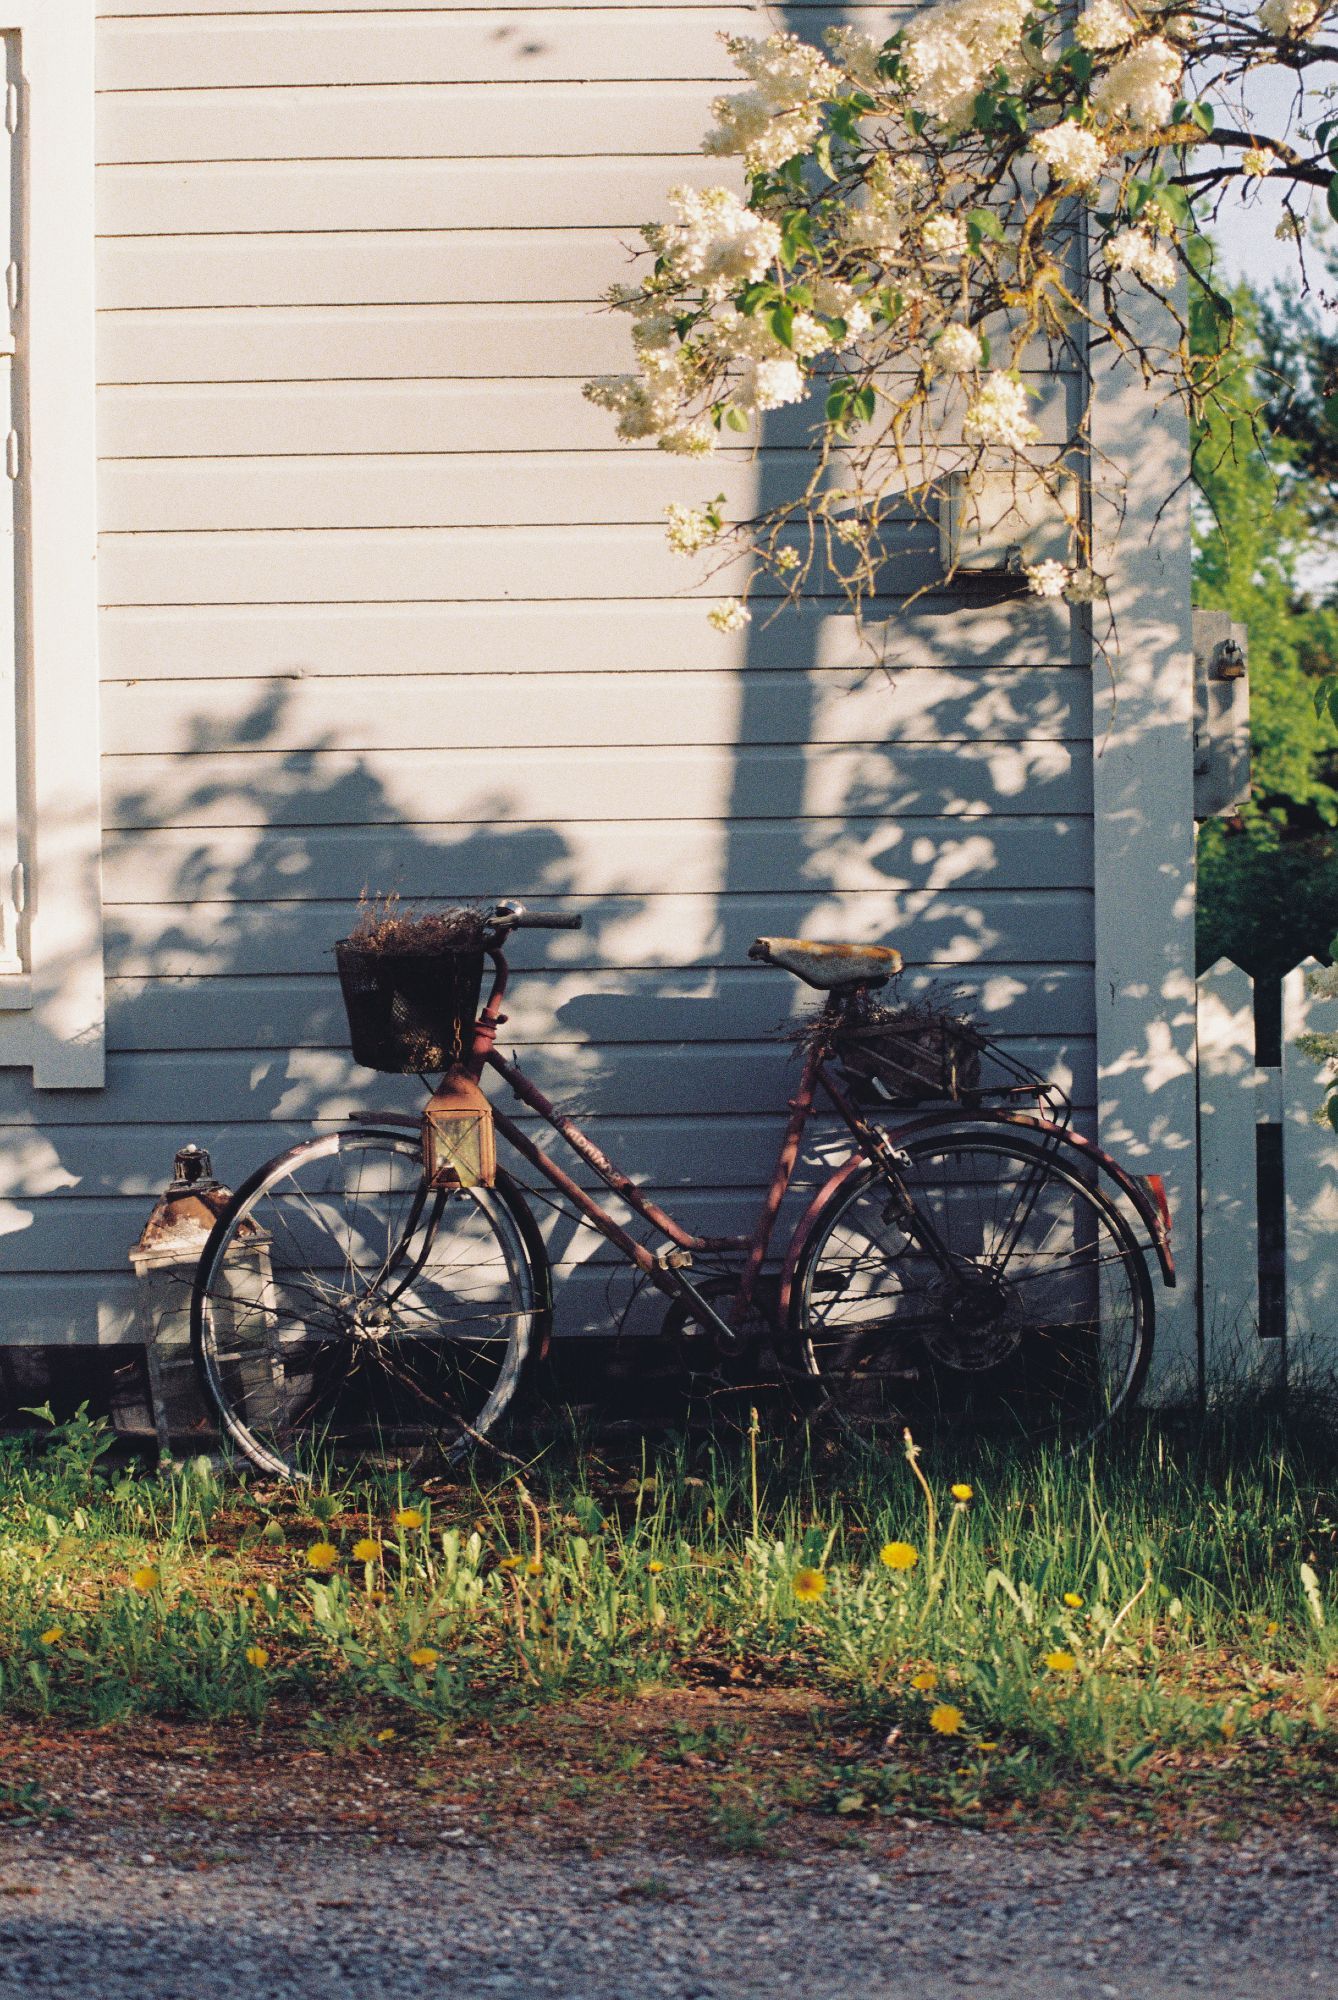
{"x":343,"y":1307}
{"x":1038,"y":1319}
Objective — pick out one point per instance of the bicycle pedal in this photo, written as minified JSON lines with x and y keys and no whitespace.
{"x":670,"y":1257}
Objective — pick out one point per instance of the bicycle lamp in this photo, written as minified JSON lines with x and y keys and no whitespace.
{"x":459,"y":1147}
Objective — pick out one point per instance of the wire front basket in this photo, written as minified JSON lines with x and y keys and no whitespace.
{"x":409,"y":1011}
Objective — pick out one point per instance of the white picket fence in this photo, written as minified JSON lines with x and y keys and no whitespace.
{"x":1298,"y":1314}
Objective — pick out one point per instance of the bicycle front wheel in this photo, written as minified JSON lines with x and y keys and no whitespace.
{"x":343,"y":1307}
{"x":1015,"y":1296}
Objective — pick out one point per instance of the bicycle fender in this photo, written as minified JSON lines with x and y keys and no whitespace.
{"x":1145,"y":1193}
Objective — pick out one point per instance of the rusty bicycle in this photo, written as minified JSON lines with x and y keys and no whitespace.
{"x":386,"y":1286}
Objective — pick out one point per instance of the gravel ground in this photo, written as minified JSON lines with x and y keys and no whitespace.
{"x":107,"y":1917}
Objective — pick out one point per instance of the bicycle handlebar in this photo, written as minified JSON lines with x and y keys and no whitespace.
{"x":507,"y":917}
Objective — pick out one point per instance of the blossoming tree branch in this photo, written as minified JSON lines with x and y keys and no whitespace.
{"x":996,"y":185}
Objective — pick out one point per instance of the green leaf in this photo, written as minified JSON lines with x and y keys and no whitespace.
{"x":864,"y":402}
{"x":1203,"y":116}
{"x":1331,"y":196}
{"x":796,"y":235}
{"x":736,"y":419}
{"x":1324,"y":132}
{"x":838,"y":401}
{"x":780,"y":318}
{"x":822,"y":153}
{"x":984,"y":351}
{"x":1331,"y":411}
{"x":1080,"y":63}
{"x":980,"y":224}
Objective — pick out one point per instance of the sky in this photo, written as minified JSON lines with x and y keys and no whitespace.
{"x":1245,"y":227}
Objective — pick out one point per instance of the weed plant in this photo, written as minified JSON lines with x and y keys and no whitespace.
{"x":1012,"y":1614}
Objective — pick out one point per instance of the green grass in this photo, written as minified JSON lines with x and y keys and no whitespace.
{"x":1168,"y":1602}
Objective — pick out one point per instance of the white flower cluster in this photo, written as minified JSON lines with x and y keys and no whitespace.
{"x":690,"y":529}
{"x":834,"y":299}
{"x":770,"y":374}
{"x":1071,"y":152}
{"x":957,"y":350}
{"x":997,"y":415}
{"x":782,"y":114}
{"x":1139,"y":255}
{"x":1047,"y":579}
{"x":1285,"y":18}
{"x":950,"y":50}
{"x":1085,"y":587}
{"x":1140,"y":88}
{"x":858,"y":56}
{"x":1103,"y":25}
{"x":715,"y":241}
{"x":729,"y":615}
{"x":1258,"y":161}
{"x":889,"y":189}
{"x":943,"y":235}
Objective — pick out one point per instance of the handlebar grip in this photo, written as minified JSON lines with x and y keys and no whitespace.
{"x":535,"y":920}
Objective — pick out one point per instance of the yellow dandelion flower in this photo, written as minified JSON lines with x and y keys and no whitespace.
{"x":322,"y":1556}
{"x":898,"y":1555}
{"x":250,"y":1595}
{"x":424,"y":1656}
{"x":257,"y":1657}
{"x":376,"y":1597}
{"x":386,"y":1735}
{"x":509,"y":1562}
{"x":1060,"y":1662}
{"x":52,"y":1635}
{"x":368,"y":1550}
{"x":408,"y":1517}
{"x":654,"y":1566}
{"x":946,"y":1720}
{"x":987,"y":1746}
{"x":962,"y":1491}
{"x":534,"y":1567}
{"x":926,"y":1680}
{"x":146,"y":1579}
{"x":1227,"y":1727}
{"x":809,"y":1584}
{"x":1073,"y":1598}
{"x":1272,"y":1629}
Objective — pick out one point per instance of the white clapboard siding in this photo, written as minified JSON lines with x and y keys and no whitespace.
{"x":407,"y":121}
{"x":331,"y":566}
{"x":667,"y":929}
{"x":607,"y":1007}
{"x":346,"y":343}
{"x":264,"y":642}
{"x":992,"y":704}
{"x":527,"y":787}
{"x":812,"y":14}
{"x":447,"y":46}
{"x":343,"y":344}
{"x":377,"y":418}
{"x":428,"y":490}
{"x":1310,"y":1174}
{"x":272,"y":865}
{"x":1230,"y":1100}
{"x":229,"y":198}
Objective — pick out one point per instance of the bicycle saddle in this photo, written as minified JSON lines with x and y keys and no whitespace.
{"x":828,"y":965}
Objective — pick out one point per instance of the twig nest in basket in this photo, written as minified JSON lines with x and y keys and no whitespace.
{"x":383,"y":926}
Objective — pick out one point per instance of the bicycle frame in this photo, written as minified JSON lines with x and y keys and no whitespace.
{"x":666,"y":1270}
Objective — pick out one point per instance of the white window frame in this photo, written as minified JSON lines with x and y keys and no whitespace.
{"x":52,"y":1012}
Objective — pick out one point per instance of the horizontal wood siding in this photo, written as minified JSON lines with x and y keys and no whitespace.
{"x":387,"y":608}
